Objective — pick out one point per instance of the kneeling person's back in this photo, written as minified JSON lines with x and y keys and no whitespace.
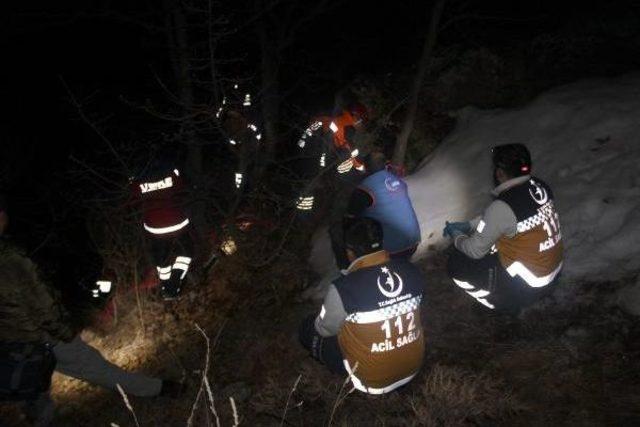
{"x":375,"y":312}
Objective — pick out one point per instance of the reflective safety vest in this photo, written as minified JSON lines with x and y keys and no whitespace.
{"x":535,"y":252}
{"x":393,"y":209}
{"x":382,"y":339}
{"x":162,"y":212}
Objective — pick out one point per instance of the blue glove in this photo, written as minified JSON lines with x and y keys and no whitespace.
{"x":452,"y":229}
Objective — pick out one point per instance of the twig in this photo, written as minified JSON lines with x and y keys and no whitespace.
{"x":236,"y":419}
{"x":286,"y":408}
{"x":341,"y":398}
{"x":128,"y":404}
{"x":204,"y":385}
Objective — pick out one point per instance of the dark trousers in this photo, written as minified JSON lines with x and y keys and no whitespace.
{"x":488,"y":282}
{"x":324,"y":349}
{"x":172,"y":258}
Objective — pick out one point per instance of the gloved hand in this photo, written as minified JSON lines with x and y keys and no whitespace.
{"x":452,"y":229}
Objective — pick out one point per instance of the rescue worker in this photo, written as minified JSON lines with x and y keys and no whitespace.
{"x":369,"y":326}
{"x":384,"y":196}
{"x":160,"y":190}
{"x":242,"y":131}
{"x":511,"y":255}
{"x":332,"y":139}
{"x":36,"y":337}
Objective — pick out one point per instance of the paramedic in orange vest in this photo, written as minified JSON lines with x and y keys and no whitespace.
{"x":510,"y":256}
{"x":329,"y":140}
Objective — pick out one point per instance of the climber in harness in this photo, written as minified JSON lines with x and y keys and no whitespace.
{"x":383,"y":196}
{"x":37,"y":337}
{"x":160,"y":191}
{"x":332,"y":140}
{"x":511,"y":255}
{"x":369,"y":325}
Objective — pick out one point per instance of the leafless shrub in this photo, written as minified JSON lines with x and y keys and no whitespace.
{"x":451,"y":396}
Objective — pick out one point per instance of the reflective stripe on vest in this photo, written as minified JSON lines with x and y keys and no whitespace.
{"x":519,"y":269}
{"x":166,"y":230}
{"x":370,"y":390}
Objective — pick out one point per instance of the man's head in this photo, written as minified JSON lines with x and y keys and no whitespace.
{"x":362,"y":236}
{"x":359,"y":113}
{"x":510,"y":161}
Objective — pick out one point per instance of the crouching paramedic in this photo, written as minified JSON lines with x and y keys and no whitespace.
{"x":36,"y":338}
{"x":383,"y":196}
{"x":510,"y":256}
{"x":369,"y":325}
{"x":161,"y":191}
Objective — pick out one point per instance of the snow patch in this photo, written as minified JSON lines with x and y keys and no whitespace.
{"x":585,"y":142}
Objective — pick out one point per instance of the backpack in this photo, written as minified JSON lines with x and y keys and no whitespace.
{"x":25,"y":370}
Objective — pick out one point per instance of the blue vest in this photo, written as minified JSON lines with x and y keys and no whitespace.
{"x":393,"y":209}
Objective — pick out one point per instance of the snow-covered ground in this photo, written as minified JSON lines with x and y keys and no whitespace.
{"x":585,"y":142}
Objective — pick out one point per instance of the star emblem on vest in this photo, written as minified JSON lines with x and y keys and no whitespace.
{"x":538,"y":193}
{"x":389,"y":283}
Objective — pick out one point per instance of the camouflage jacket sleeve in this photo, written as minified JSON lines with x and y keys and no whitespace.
{"x":35,"y":309}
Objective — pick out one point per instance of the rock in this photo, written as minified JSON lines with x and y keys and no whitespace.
{"x":628,"y":298}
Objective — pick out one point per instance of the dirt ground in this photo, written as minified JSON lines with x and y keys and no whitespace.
{"x":568,"y":361}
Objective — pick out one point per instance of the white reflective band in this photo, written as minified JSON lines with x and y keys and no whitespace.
{"x":104,"y":285}
{"x":219,"y":113}
{"x":147,"y":187}
{"x":247,"y":100}
{"x":162,"y":270}
{"x":323,"y":160}
{"x":252,"y":127}
{"x":232,"y":142}
{"x":480,"y":227}
{"x":333,"y":127}
{"x":224,"y":100}
{"x":355,"y":153}
{"x":235,"y":86}
{"x":382,"y":314}
{"x":305,"y":203}
{"x":238,"y":180}
{"x":183,"y":259}
{"x":96,"y":293}
{"x":359,"y":386}
{"x":360,"y":168}
{"x":517,"y":268}
{"x":176,"y":172}
{"x":165,"y":230}
{"x":259,"y":136}
{"x":165,"y":276}
{"x":323,"y":311}
{"x":463,"y":285}
{"x":345,"y":166}
{"x":302,"y":143}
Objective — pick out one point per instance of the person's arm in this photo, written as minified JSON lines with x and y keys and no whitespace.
{"x":498,"y":220}
{"x":358,"y":202}
{"x":332,"y":314}
{"x":45,"y":307}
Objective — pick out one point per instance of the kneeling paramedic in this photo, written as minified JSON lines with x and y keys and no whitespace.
{"x":369,"y":325}
{"x":383,"y":196}
{"x":36,"y":338}
{"x":510,"y":256}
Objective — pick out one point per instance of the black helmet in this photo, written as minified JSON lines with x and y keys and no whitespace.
{"x":514,"y":159}
{"x":363,"y":236}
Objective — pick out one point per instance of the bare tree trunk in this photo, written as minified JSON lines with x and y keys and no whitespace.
{"x":270,"y":92}
{"x":402,"y":141}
